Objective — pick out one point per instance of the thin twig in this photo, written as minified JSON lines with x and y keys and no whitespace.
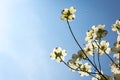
{"x":99,"y":60}
{"x":99,"y":57}
{"x":94,"y":59}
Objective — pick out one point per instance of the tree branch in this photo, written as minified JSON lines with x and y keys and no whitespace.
{"x":84,"y":52}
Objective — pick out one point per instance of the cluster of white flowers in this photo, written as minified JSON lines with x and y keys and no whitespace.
{"x":116,"y":26}
{"x":95,"y":44}
{"x":74,"y":64}
{"x":89,"y":48}
{"x":96,"y":33}
{"x":116,"y":48}
{"x":89,"y":36}
{"x":83,"y":69}
{"x":104,"y":47}
{"x":58,"y":54}
{"x":115,"y":69}
{"x":68,"y":14}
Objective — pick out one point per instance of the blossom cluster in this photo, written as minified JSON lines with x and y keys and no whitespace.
{"x":58,"y":54}
{"x":116,"y":47}
{"x":83,"y":69}
{"x":68,"y":14}
{"x":115,"y":69}
{"x":102,"y":47}
{"x":116,"y":26}
{"x":96,"y":33}
{"x":94,"y":45}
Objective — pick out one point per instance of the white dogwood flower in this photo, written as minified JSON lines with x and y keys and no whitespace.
{"x":58,"y":54}
{"x":116,"y":50}
{"x":104,"y":47}
{"x":85,"y":69}
{"x":116,"y":26}
{"x":99,"y":31}
{"x":96,"y":33}
{"x":68,"y":14}
{"x":72,"y":10}
{"x":74,"y":64}
{"x":115,"y":69}
{"x":65,"y":11}
{"x":89,"y":48}
{"x":116,"y":55}
{"x":89,"y":36}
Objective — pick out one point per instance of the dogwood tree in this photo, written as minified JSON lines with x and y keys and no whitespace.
{"x":95,"y":46}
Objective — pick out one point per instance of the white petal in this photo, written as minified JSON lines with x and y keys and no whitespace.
{"x":116,"y":55}
{"x":72,"y":10}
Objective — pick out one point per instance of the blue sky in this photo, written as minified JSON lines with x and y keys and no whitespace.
{"x":30,"y":29}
